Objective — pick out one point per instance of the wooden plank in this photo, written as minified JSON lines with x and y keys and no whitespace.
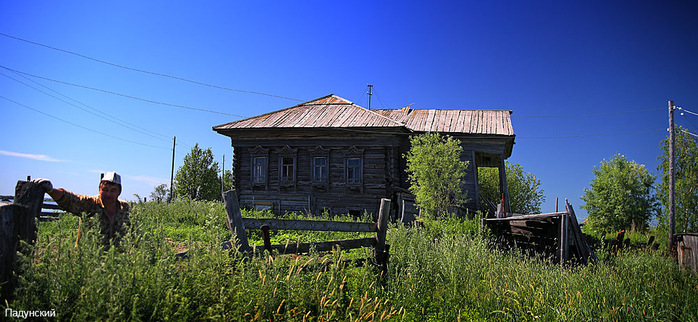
{"x":295,"y":248}
{"x":564,"y":244}
{"x":237,"y":227}
{"x":526,"y":217}
{"x":316,"y":225}
{"x":383,"y":217}
{"x":10,"y":217}
{"x":687,"y":251}
{"x":576,"y":232}
{"x":31,"y":195}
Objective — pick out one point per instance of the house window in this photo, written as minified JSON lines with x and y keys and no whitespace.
{"x":353,"y":170}
{"x":287,"y":169}
{"x":259,"y":170}
{"x":320,"y":169}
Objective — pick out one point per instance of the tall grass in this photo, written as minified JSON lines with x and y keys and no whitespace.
{"x":443,"y":271}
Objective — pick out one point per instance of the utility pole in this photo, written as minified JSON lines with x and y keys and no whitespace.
{"x":223,"y":177}
{"x":672,"y":163}
{"x":370,"y":92}
{"x":174,"y":144}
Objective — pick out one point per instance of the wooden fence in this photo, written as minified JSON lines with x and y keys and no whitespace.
{"x":239,"y":224}
{"x":555,"y":235}
{"x":49,"y":209}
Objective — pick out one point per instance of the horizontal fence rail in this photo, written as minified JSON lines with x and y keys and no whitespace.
{"x":238,"y":225}
{"x":316,"y":225}
{"x":49,"y":209}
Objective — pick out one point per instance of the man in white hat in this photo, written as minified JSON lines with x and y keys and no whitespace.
{"x":112,"y":212}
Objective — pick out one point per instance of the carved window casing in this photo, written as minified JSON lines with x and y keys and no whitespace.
{"x":354,"y":168}
{"x":287,"y":167}
{"x":320,"y":167}
{"x":259,"y":164}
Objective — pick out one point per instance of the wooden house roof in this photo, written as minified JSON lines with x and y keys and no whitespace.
{"x":335,"y":112}
{"x":326,"y":112}
{"x":487,"y":122}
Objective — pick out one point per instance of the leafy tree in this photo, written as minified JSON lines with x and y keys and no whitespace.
{"x":525,"y":193}
{"x":197,"y":178}
{"x":160,"y":193}
{"x":435,"y":173}
{"x":620,"y":196}
{"x":227,"y":180}
{"x":685,"y":182}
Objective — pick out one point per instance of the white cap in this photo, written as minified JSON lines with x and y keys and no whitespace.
{"x":111,"y":177}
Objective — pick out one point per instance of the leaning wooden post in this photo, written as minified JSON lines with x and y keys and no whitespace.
{"x":382,"y":230}
{"x":237,"y":228}
{"x":30,"y":195}
{"x":17,"y":222}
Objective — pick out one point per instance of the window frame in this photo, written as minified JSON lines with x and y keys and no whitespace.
{"x":323,"y":168}
{"x":287,"y":152}
{"x":259,"y":153}
{"x":320,"y":152}
{"x":354,"y":153}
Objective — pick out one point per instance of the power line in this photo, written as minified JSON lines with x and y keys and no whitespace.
{"x":690,"y":133}
{"x":687,"y":111}
{"x":120,"y":94}
{"x":585,"y":115}
{"x":105,"y":116}
{"x":149,"y":72}
{"x":587,"y":135}
{"x":80,"y":126}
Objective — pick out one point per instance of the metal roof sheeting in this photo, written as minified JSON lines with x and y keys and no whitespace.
{"x":335,"y":112}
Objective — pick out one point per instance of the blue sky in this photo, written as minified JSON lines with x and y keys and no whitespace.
{"x":585,"y":79}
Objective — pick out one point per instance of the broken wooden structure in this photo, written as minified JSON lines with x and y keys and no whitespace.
{"x":687,"y":250}
{"x":555,"y":235}
{"x":240,"y":242}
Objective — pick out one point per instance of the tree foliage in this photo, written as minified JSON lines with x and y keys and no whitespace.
{"x":620,"y":196}
{"x":160,"y":193}
{"x":197,"y":178}
{"x":227,"y":180}
{"x":685,"y":182}
{"x":525,"y":193}
{"x":435,"y":173}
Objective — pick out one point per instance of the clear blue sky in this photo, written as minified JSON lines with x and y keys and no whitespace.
{"x":599,"y":72}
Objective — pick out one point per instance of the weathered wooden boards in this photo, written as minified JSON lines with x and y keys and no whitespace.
{"x":17,"y":223}
{"x":554,"y":235}
{"x":687,"y":251}
{"x":239,"y":224}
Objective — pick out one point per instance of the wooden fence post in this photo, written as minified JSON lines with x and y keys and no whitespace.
{"x":382,"y":230}
{"x":237,"y":228}
{"x":17,"y":222}
{"x":30,"y":195}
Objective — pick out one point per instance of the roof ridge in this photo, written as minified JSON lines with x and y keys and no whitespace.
{"x":385,"y":117}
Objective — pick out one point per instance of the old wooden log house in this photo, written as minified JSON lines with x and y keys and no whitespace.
{"x":331,"y":155}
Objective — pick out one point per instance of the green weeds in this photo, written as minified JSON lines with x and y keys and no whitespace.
{"x":443,"y":271}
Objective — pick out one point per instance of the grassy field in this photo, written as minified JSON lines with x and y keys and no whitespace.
{"x":445,"y":271}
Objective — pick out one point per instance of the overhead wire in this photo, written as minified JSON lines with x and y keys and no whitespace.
{"x":585,"y":115}
{"x":687,"y":111}
{"x":589,"y":135}
{"x":80,"y":126}
{"x":119,"y":94}
{"x":100,"y":114}
{"x":148,"y":72}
